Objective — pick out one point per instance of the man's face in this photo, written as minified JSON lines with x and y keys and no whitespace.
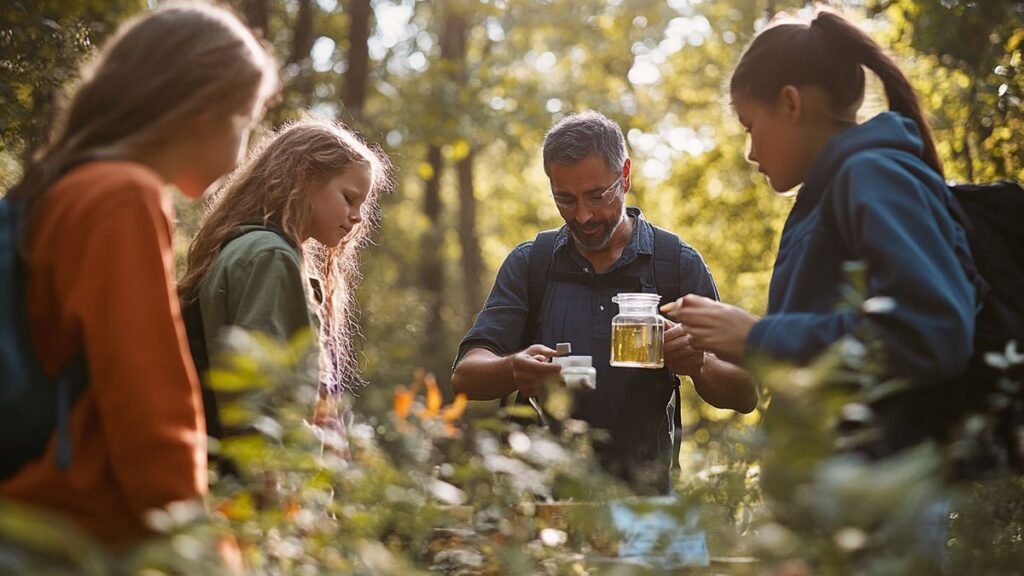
{"x":590,"y":198}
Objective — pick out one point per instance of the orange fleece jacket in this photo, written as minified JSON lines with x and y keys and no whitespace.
{"x":101,"y":278}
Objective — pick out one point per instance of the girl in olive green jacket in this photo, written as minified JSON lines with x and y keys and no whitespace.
{"x":277,"y":250}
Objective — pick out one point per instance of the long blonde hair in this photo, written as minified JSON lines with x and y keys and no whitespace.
{"x":272,"y":187}
{"x":157,"y":72}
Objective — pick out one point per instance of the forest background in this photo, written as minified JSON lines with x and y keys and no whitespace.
{"x":460,"y":94}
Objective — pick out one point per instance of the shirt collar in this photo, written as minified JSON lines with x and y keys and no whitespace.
{"x":641,"y":242}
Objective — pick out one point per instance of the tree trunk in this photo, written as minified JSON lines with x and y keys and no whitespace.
{"x":969,"y":126}
{"x":472,"y":262}
{"x":257,"y":15}
{"x":35,"y":134}
{"x":433,"y":345}
{"x":302,"y":46}
{"x":353,"y":95}
{"x":453,"y":53}
{"x":302,"y":37}
{"x":453,"y":39}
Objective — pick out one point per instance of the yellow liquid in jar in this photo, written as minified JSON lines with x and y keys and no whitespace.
{"x":638,"y":345}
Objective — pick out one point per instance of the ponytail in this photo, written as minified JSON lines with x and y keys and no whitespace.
{"x":852,"y":41}
{"x":828,"y":52}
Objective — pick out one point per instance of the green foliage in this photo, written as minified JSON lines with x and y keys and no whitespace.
{"x":658,"y":68}
{"x":35,"y":543}
{"x":413,"y":494}
{"x":965,"y":58}
{"x":411,"y":488}
{"x":42,"y":44}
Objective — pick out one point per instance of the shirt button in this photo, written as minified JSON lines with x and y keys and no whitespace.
{"x":601,"y":307}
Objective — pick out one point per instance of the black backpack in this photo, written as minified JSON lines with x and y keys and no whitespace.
{"x":32,"y":404}
{"x":991,"y":215}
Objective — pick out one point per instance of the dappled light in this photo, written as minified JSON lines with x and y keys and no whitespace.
{"x":407,"y":475}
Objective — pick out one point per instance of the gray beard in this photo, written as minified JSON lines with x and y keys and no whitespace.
{"x":602,"y":242}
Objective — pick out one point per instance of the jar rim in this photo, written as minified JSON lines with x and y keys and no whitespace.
{"x":636,"y":298}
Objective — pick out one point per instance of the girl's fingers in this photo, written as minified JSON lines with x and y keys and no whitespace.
{"x":700,"y":337}
{"x":690,"y":301}
{"x":695,"y":301}
{"x":671,"y":307}
{"x":697,"y":319}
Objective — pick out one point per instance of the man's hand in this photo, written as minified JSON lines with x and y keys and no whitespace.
{"x":713,"y":326}
{"x":531,"y":370}
{"x":680,"y":355}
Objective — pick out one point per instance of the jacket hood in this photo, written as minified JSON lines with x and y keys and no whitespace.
{"x":890,"y":130}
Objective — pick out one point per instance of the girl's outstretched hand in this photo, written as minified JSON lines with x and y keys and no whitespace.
{"x":713,"y":326}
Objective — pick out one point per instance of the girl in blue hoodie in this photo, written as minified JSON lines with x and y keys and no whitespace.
{"x":871,"y":192}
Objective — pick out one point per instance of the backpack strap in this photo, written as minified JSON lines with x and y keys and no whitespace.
{"x":956,"y":209}
{"x":12,"y":296}
{"x":666,"y":264}
{"x":70,"y":384}
{"x":192,"y":314}
{"x":667,"y":280}
{"x":18,"y":359}
{"x":539,"y":266}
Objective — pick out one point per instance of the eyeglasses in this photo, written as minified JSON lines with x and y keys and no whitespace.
{"x":592,"y":200}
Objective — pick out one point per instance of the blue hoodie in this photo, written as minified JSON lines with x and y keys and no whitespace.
{"x":870,"y":197}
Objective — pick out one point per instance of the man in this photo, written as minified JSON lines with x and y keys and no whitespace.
{"x":603,"y":249}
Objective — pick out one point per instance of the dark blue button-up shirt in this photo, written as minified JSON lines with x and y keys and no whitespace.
{"x":634,"y":405}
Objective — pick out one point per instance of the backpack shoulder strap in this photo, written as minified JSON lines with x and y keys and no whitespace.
{"x":539,"y":265}
{"x":667,"y":279}
{"x":11,"y":289}
{"x":666,"y":264}
{"x":956,"y":209}
{"x":192,"y":314}
{"x":29,"y":387}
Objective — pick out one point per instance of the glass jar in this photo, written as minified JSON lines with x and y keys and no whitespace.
{"x":638,"y":333}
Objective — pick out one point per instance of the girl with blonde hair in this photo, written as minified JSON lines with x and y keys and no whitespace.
{"x":277,"y":250}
